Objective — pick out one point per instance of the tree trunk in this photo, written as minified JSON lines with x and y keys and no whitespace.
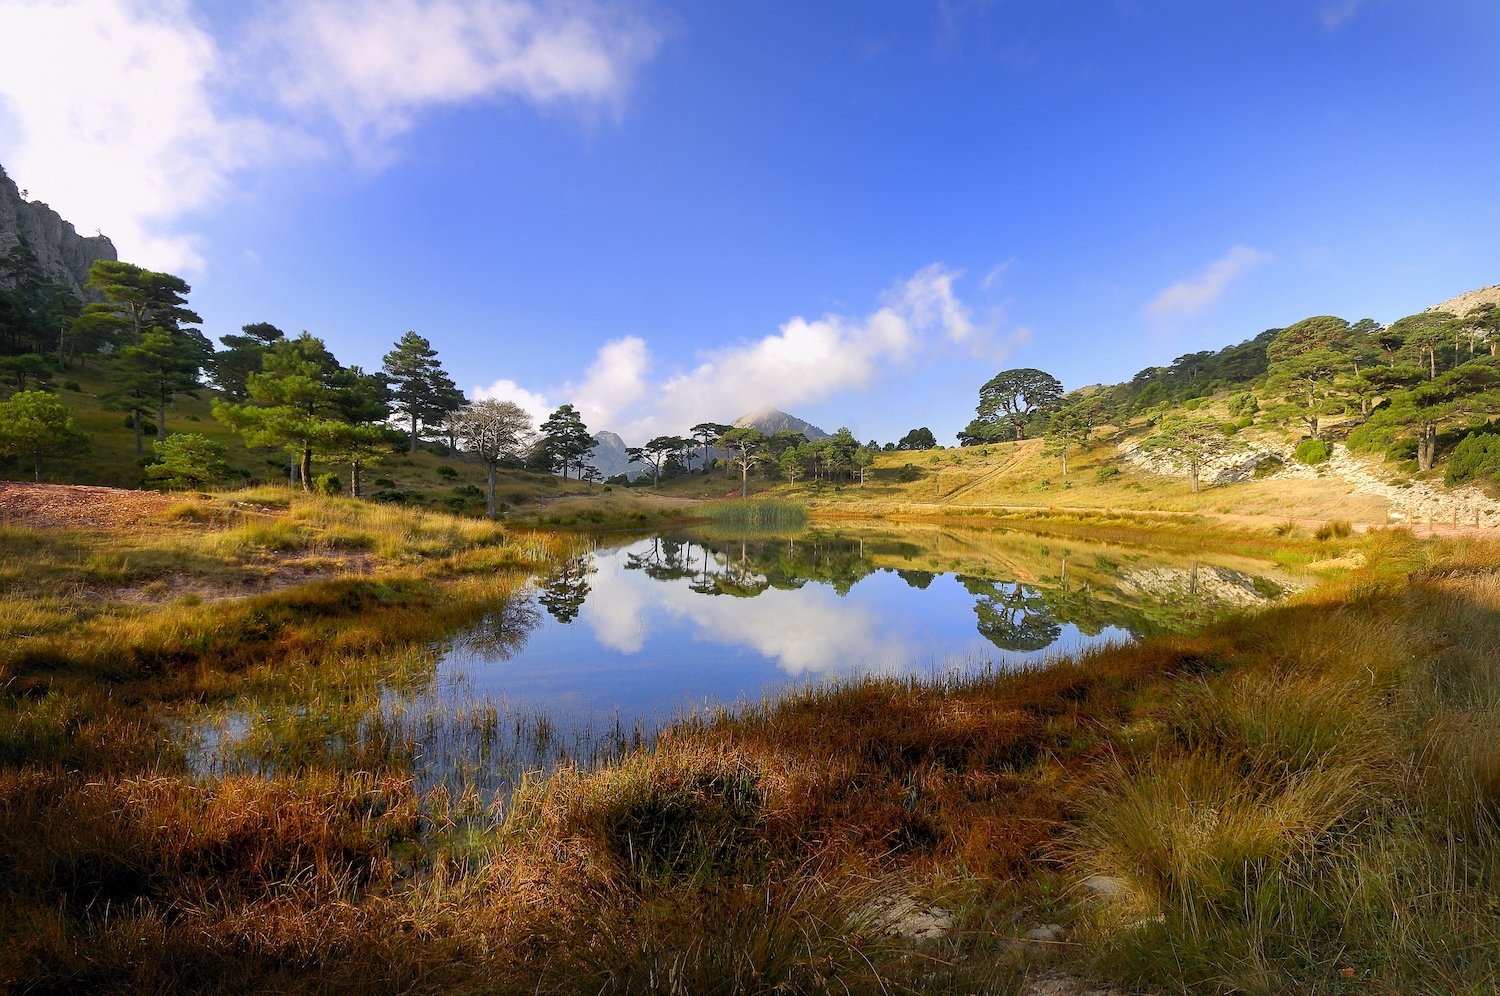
{"x":414,"y":436}
{"x":745,"y":475}
{"x":354,"y":468}
{"x":1193,"y":469}
{"x":1065,"y":459}
{"x":1432,"y":354}
{"x":38,"y":470}
{"x":161,"y":419}
{"x":489,"y":470}
{"x":137,"y":414}
{"x":291,"y":473}
{"x":1426,"y":446}
{"x":306,"y":468}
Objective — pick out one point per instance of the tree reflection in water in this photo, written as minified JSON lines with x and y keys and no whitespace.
{"x":502,"y":633}
{"x":1012,"y":617}
{"x":564,"y":591}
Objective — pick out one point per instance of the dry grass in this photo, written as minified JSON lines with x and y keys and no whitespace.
{"x":1280,"y":799}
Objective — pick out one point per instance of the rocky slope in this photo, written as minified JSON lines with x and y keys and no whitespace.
{"x":63,"y":255}
{"x":1469,"y":299}
{"x":771,"y":420}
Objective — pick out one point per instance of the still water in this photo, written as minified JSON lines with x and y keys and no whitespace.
{"x":648,"y":626}
{"x":590,"y":661}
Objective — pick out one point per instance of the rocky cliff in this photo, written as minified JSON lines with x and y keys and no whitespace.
{"x":609,"y":456}
{"x":62,"y":255}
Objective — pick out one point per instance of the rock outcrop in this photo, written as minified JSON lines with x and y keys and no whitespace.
{"x":1469,"y":299}
{"x":610,"y":458}
{"x":62,"y":255}
{"x":772,"y":420}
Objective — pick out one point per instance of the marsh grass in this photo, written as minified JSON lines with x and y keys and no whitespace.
{"x":1277,"y":800}
{"x":755,"y":514}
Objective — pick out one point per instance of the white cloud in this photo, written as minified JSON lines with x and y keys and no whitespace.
{"x":127,"y":115}
{"x":1187,"y":297}
{"x":996,"y":272}
{"x":615,"y":381}
{"x":374,"y":64}
{"x":114,"y":124}
{"x":1334,"y":14}
{"x":805,"y":362}
{"x":535,"y":405}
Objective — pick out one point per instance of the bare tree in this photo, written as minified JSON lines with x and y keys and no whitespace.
{"x":494,"y":431}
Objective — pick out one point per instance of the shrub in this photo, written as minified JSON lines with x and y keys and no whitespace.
{"x":186,"y":461}
{"x":1477,"y":456}
{"x":1106,"y":474}
{"x":72,"y":385}
{"x":908,"y":473}
{"x":445,"y":471}
{"x":1268,"y":465}
{"x":327,"y":484}
{"x":1312,"y":451}
{"x":1243,"y":404}
{"x":1335,"y":529}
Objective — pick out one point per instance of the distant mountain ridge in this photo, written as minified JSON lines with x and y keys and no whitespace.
{"x":62,"y":255}
{"x":610,"y":457}
{"x":772,"y":420}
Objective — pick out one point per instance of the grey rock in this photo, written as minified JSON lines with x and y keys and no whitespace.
{"x":1048,"y":932}
{"x":609,"y":456}
{"x":772,"y":420}
{"x":63,"y":255}
{"x":1105,"y":886}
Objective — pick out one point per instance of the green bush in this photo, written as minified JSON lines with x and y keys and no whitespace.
{"x":1268,"y":465}
{"x":1312,"y":451}
{"x":327,"y":484}
{"x":186,"y":462}
{"x":1477,"y":456}
{"x":1106,"y":473}
{"x":1243,"y":404}
{"x":72,"y":385}
{"x":445,"y":471}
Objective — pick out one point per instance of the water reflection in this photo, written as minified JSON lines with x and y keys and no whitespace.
{"x":658,"y":622}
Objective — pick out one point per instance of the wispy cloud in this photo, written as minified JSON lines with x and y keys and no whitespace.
{"x":1187,"y":297}
{"x":996,"y":272}
{"x":1335,"y":13}
{"x":150,"y":117}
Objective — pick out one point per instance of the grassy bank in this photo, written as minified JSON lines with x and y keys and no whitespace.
{"x":1298,"y":800}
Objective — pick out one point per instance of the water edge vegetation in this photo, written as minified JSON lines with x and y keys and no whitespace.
{"x":1302,"y":797}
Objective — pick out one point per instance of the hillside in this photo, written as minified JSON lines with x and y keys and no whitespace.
{"x":772,"y":420}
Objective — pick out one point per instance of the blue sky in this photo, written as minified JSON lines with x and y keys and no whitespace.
{"x":632,"y":205}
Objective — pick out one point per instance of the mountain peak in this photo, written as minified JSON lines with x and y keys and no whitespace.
{"x":772,"y":420}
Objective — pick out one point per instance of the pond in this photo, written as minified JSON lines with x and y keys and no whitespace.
{"x":592,"y":659}
{"x":653,"y":625}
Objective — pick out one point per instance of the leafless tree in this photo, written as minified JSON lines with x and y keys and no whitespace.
{"x":494,"y":431}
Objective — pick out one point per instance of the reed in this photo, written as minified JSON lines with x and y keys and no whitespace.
{"x":755,"y":514}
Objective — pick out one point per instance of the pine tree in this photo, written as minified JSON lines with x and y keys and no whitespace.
{"x":423,"y":393}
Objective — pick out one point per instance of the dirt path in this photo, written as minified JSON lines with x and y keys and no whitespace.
{"x":65,"y":506}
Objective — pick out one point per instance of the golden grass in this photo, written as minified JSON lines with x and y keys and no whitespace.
{"x":1278,"y":800}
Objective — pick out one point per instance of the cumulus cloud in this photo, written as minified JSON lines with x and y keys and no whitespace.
{"x":615,"y":381}
{"x":114,"y":123}
{"x":1187,"y":297}
{"x":127,"y":115}
{"x":804,"y":362}
{"x":533,"y":404}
